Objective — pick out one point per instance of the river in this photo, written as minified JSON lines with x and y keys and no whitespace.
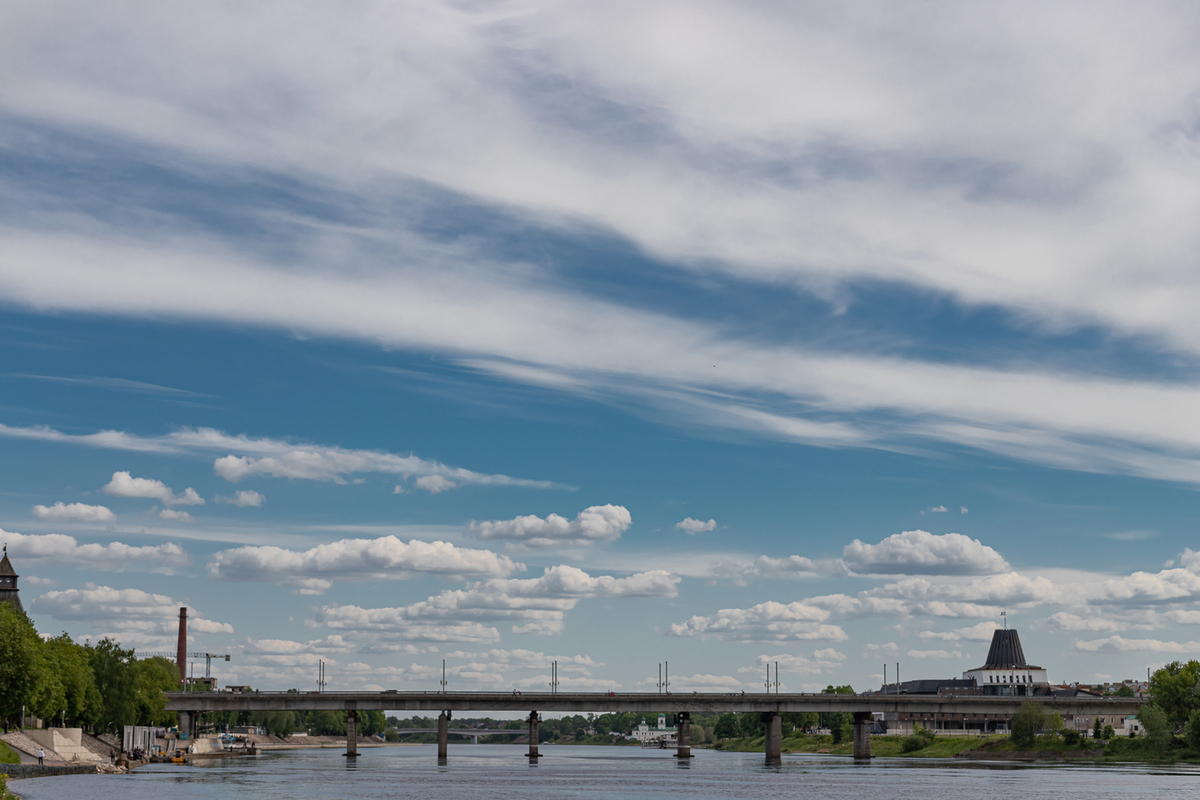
{"x":608,"y":772}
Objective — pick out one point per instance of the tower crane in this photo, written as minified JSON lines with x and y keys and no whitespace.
{"x":208,"y":657}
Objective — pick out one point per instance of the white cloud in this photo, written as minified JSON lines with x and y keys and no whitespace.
{"x":765,"y":622}
{"x":506,"y":660}
{"x":981,"y":632}
{"x":74,"y":512}
{"x":938,"y":510}
{"x":125,"y":485}
{"x":594,"y":524}
{"x":700,"y":682}
{"x":172,"y":515}
{"x":963,"y":510}
{"x":956,"y":654}
{"x":58,"y":548}
{"x":534,"y":605}
{"x":923,"y":553}
{"x":386,"y":558}
{"x":1066,"y":621}
{"x":136,"y":616}
{"x":1119,"y":644}
{"x":246,"y":498}
{"x":690,"y":525}
{"x":435,"y":483}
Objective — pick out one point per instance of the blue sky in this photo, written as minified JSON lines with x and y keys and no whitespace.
{"x":527,"y":331}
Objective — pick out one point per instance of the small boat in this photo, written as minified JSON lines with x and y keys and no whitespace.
{"x":665,"y":743}
{"x":178,"y":758}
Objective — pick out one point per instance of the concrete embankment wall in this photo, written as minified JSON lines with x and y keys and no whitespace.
{"x":17,"y":771}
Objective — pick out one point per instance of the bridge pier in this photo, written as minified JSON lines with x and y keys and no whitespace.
{"x":533,"y":736}
{"x":351,"y":734}
{"x":443,"y":734}
{"x":773,"y":728}
{"x":186,"y":720}
{"x":862,"y":735}
{"x":683,"y":735}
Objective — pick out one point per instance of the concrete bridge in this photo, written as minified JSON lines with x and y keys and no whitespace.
{"x":770,"y":706}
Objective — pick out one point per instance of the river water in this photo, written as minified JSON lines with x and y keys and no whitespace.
{"x":608,"y":772}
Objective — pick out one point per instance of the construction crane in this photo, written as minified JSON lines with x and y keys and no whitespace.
{"x":208,"y":657}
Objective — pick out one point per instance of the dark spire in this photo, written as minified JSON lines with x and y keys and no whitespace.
{"x":6,"y":567}
{"x":1005,"y":652}
{"x":8,"y":583}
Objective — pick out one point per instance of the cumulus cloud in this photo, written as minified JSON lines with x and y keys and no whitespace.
{"x":765,"y":622}
{"x":956,"y":654}
{"x":246,"y":498}
{"x":689,"y":525}
{"x":594,"y":524}
{"x":533,"y":605}
{"x":172,"y":515}
{"x":923,"y":553}
{"x":387,"y":558}
{"x":824,"y":660}
{"x":938,"y":510}
{"x":125,"y":485}
{"x":981,"y":632}
{"x":699,"y":682}
{"x":1119,"y":644}
{"x":74,"y":512}
{"x":1066,"y":621}
{"x":57,"y":548}
{"x":132,"y":616}
{"x":435,"y":484}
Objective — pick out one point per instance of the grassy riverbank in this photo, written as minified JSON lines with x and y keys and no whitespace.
{"x":8,"y":755}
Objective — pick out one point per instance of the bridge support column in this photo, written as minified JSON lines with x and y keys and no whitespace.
{"x":443,"y":734}
{"x":773,"y":728}
{"x":683,"y":735}
{"x":533,"y":735}
{"x":187,"y":720}
{"x":862,"y":735}
{"x":351,"y":734}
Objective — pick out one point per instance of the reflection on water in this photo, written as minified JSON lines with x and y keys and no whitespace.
{"x":608,"y":772}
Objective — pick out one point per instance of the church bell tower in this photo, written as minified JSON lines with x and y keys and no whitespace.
{"x":8,"y":583}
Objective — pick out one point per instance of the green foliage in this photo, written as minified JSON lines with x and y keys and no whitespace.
{"x":799,"y":720}
{"x":20,"y":665}
{"x":8,"y":755}
{"x":920,"y":739}
{"x":113,"y":669}
{"x":1158,"y":728}
{"x":1072,"y":737}
{"x":1026,"y":723}
{"x":1175,"y":689}
{"x":1125,"y":691}
{"x":1054,"y":724}
{"x":1109,"y":732}
{"x":275,"y":723}
{"x":750,"y":725}
{"x":727,"y":726}
{"x":1097,"y":730}
{"x":390,"y":735}
{"x":1192,"y":732}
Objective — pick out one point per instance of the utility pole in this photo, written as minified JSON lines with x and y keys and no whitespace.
{"x":443,"y":676}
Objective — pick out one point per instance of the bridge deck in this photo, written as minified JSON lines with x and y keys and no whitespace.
{"x":638,"y":703}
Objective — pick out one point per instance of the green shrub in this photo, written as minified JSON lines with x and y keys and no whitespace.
{"x":920,"y":739}
{"x":391,"y":735}
{"x":1027,"y":722}
{"x":1072,"y":737}
{"x":1109,"y":732}
{"x":1192,"y":732}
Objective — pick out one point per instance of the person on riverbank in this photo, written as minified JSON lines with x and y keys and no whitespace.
{"x":41,"y":755}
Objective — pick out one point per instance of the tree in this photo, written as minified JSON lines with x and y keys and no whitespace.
{"x":369,"y":723}
{"x":727,"y":726}
{"x":1097,"y":730}
{"x":750,"y":725}
{"x":20,"y":664}
{"x":1125,"y":691}
{"x":275,"y":723}
{"x":1158,"y":728}
{"x":1175,"y":689}
{"x":1026,"y":723}
{"x":68,"y":661}
{"x":799,"y":720}
{"x":1192,"y":733}
{"x":151,"y":677}
{"x":1054,"y":724}
{"x":113,"y":670}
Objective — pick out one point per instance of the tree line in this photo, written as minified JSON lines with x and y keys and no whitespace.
{"x":99,"y":687}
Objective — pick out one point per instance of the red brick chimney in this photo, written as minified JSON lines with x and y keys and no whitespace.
{"x":181,"y":653}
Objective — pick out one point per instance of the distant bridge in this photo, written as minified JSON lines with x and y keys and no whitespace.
{"x":474,"y":733}
{"x":860,"y":706}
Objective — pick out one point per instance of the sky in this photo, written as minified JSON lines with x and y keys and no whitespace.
{"x":612,"y":334}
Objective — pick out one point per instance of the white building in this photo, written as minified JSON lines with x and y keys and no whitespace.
{"x":1006,"y":672}
{"x":644,"y":733}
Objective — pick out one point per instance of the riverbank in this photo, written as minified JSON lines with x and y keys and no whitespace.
{"x":998,"y":748}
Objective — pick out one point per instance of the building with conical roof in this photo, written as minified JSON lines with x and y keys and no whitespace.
{"x":1006,"y":671}
{"x":8,"y":583}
